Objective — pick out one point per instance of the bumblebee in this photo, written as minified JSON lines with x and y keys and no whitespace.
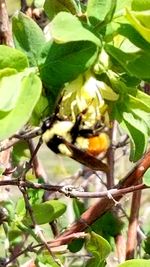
{"x":76,"y":141}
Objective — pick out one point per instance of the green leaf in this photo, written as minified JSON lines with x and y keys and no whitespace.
{"x":95,"y":262}
{"x":20,"y":208}
{"x":98,"y":246}
{"x":9,"y":91}
{"x":30,"y":91}
{"x":100,"y":10}
{"x":147,"y":240}
{"x":135,"y":19}
{"x":76,"y":245}
{"x":39,"y":3}
{"x":78,"y":207}
{"x":108,"y":225}
{"x":144,"y":99}
{"x":135,"y":263}
{"x":62,"y":63}
{"x":28,"y":37}
{"x":20,"y":152}
{"x":15,"y":237}
{"x":143,"y":17}
{"x":146,"y":177}
{"x":139,"y":107}
{"x":72,"y":30}
{"x":129,"y":32}
{"x":121,"y":4}
{"x":7,"y":72}
{"x":12,"y":58}
{"x":53,"y":7}
{"x":138,"y":133}
{"x":136,"y":64}
{"x":139,"y":5}
{"x":44,"y":259}
{"x":46,"y":212}
{"x":41,"y":111}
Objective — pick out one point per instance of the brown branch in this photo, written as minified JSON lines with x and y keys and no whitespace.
{"x":133,"y":224}
{"x":110,"y":158}
{"x":71,"y":191}
{"x":5,"y":32}
{"x":5,"y":145}
{"x":120,"y":248}
{"x":17,"y":137}
{"x":105,"y":204}
{"x":31,"y":248}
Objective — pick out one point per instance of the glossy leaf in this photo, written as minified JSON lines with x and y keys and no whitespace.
{"x":29,"y":94}
{"x":39,"y":3}
{"x":138,"y":133}
{"x":7,"y":72}
{"x":72,"y":30}
{"x":44,"y":259}
{"x":52,"y":7}
{"x":12,"y":58}
{"x":61,"y":63}
{"x":147,"y":240}
{"x":98,"y":246}
{"x":28,"y":37}
{"x":139,"y":5}
{"x":143,"y":17}
{"x":10,"y":91}
{"x":123,"y":3}
{"x":144,"y":99}
{"x":78,"y":207}
{"x":100,"y":10}
{"x":76,"y":245}
{"x":129,"y":32}
{"x":135,"y":64}
{"x":46,"y":212}
{"x":146,"y":177}
{"x":135,"y":263}
{"x":95,"y":262}
{"x":20,"y":152}
{"x":108,"y":225}
{"x":136,"y":23}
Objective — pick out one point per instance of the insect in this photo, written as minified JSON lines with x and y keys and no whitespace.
{"x":75,"y":140}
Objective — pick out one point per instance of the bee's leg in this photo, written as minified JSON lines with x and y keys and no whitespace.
{"x":75,"y":129}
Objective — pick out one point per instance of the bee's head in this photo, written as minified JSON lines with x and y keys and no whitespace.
{"x":47,"y":123}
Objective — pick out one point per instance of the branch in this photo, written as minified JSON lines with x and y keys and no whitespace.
{"x":37,"y":229}
{"x":133,"y":225}
{"x":110,"y":157}
{"x":74,"y":192}
{"x":105,"y":204}
{"x":31,"y":247}
{"x":5,"y":33}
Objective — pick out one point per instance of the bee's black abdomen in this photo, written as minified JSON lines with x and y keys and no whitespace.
{"x":54,"y":143}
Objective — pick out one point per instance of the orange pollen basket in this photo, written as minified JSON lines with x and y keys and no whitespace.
{"x":98,"y":144}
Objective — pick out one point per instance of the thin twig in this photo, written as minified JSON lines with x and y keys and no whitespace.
{"x":37,"y":166}
{"x":72,"y":191}
{"x":123,"y":142}
{"x":38,"y":231}
{"x":31,"y":247}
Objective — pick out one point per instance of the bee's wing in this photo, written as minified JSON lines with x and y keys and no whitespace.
{"x":85,"y":158}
